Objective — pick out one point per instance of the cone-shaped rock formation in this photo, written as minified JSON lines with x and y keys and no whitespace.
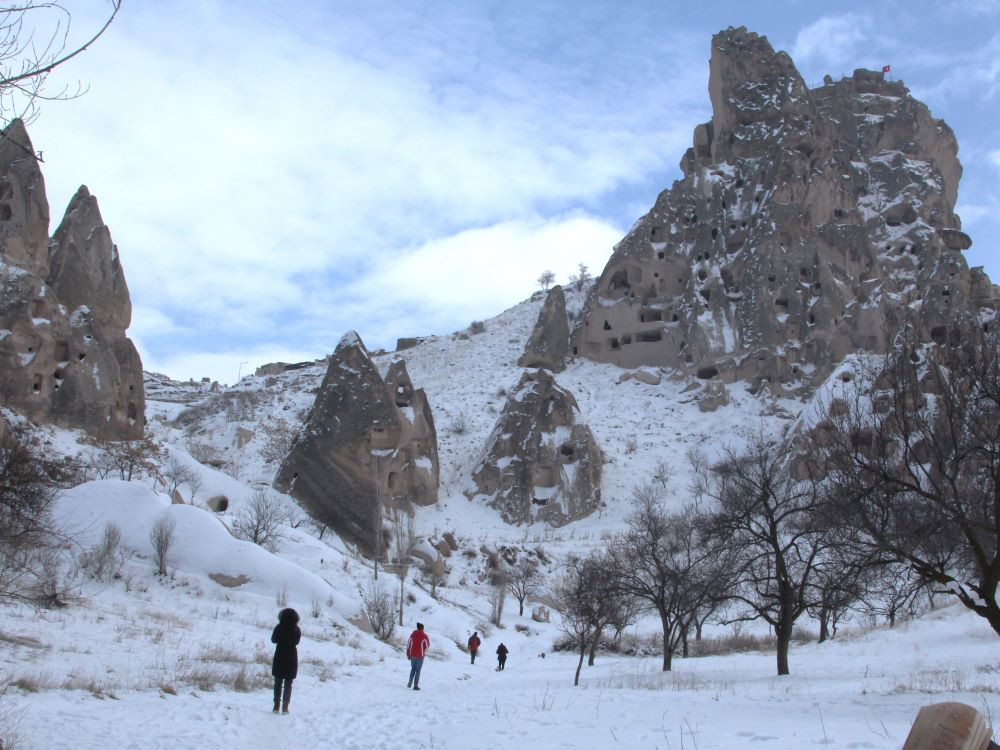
{"x":368,"y":446}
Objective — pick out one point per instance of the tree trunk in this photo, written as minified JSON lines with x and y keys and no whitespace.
{"x":684,"y":642}
{"x":824,"y":617}
{"x":402,"y":579}
{"x":579,"y":664}
{"x":520,"y":607}
{"x":668,"y":652}
{"x":784,"y":637}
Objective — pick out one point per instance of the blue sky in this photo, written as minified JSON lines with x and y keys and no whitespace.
{"x":275,"y":174}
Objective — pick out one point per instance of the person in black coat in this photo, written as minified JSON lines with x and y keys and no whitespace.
{"x":285,"y":665}
{"x":501,"y":657}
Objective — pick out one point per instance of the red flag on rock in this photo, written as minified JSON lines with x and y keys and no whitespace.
{"x":885,"y":68}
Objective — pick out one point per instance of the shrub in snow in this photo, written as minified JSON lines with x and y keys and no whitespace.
{"x":161,"y":536}
{"x":380,"y":609}
{"x":105,"y":559}
{"x":261,"y":520}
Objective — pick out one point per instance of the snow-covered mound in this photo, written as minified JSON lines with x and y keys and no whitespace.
{"x":202,"y":545}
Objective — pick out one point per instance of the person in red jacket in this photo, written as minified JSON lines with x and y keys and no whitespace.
{"x":474,"y":644}
{"x":416,"y":649}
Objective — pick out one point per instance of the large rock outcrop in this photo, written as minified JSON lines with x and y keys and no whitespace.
{"x":541,"y":463}
{"x":549,"y":342}
{"x":65,"y":308}
{"x":806,"y":225}
{"x":368,"y":447}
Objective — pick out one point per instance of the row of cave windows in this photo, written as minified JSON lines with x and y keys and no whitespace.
{"x":38,"y":380}
{"x":648,"y":337}
{"x":691,"y":217}
{"x":61,"y":352}
{"x":656,"y":233}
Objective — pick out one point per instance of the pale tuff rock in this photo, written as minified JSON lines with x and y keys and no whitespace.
{"x":85,"y":269}
{"x":368,"y":447}
{"x":24,"y":208}
{"x":64,"y":356}
{"x":647,"y":375}
{"x":549,"y":342}
{"x":540,"y":613}
{"x":541,"y":463}
{"x":805,"y":224}
{"x":712,"y":396}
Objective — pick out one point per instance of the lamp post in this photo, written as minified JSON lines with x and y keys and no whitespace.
{"x":239,"y":372}
{"x":378,"y":512}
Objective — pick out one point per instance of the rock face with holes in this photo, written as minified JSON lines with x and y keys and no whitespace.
{"x":368,"y":448}
{"x":541,"y":463}
{"x":64,"y":308}
{"x":549,"y":342}
{"x":806,"y":222}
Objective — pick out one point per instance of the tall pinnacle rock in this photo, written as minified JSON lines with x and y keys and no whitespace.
{"x":807,"y":225}
{"x":367,"y":451}
{"x":64,"y":308}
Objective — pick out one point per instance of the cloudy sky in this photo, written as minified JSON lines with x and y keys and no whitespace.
{"x":275,"y":174}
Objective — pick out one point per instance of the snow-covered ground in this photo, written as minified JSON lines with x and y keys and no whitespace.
{"x":182,"y":660}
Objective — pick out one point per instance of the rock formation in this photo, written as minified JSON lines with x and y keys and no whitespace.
{"x":368,"y":447}
{"x":64,"y":356}
{"x":541,"y":464}
{"x":807,"y":224}
{"x":549,"y":342}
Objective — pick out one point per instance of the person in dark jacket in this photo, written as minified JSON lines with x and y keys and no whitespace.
{"x":474,"y":645}
{"x":501,"y":657}
{"x":285,"y":665}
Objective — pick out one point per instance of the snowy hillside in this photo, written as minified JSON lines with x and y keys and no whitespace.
{"x":150,"y":661}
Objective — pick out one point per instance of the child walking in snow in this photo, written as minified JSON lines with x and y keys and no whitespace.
{"x":501,"y":657}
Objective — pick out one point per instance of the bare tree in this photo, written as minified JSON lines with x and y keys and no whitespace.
{"x":837,"y":587}
{"x":161,"y":536}
{"x":891,"y":592}
{"x":912,"y":456}
{"x":436,"y":572}
{"x":261,"y":520}
{"x":402,"y":543}
{"x":124,"y":459}
{"x":34,"y":41}
{"x":175,"y":473}
{"x":105,"y":559}
{"x":279,"y":434}
{"x":201,"y":451}
{"x":545,"y":279}
{"x":194,"y":482}
{"x":662,"y":473}
{"x":28,"y":484}
{"x":588,"y":601}
{"x":376,"y":601}
{"x":582,"y":278}
{"x":765,"y":522}
{"x":661,"y":561}
{"x":522,"y":578}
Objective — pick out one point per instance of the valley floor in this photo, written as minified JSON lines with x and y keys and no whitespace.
{"x":859,"y":692}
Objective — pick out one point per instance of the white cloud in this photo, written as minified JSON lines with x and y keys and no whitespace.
{"x":251,"y":169}
{"x":832,"y":39}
